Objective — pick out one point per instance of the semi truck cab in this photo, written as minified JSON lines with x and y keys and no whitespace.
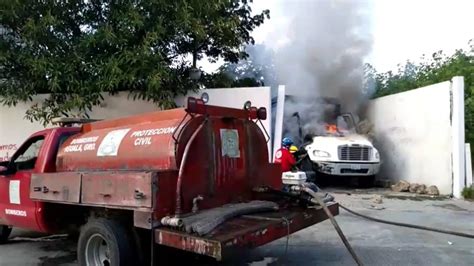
{"x":332,"y":140}
{"x":351,"y":155}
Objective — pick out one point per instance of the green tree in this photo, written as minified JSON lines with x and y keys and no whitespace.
{"x":438,"y":68}
{"x":78,"y":50}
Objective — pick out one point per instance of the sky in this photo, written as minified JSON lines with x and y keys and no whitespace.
{"x":407,"y":29}
{"x":401,"y":29}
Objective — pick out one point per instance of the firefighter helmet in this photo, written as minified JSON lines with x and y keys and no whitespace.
{"x":287,"y":142}
{"x":293,"y":149}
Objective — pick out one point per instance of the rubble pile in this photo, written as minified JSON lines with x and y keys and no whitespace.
{"x":404,"y":186}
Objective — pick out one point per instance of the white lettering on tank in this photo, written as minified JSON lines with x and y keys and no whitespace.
{"x":89,"y":147}
{"x":152,"y":132}
{"x":82,"y":144}
{"x":84,"y":140}
{"x":73,"y":148}
{"x":142,"y":141}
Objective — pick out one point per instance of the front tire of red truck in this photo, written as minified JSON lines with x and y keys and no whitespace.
{"x":5,"y":232}
{"x":105,"y":242}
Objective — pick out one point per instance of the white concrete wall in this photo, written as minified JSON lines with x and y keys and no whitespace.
{"x":235,"y":98}
{"x":417,"y":136}
{"x":14,"y":128}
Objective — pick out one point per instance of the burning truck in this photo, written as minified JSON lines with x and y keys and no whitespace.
{"x":331,"y":139}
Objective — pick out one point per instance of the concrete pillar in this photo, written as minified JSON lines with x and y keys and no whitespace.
{"x":279,"y":112}
{"x":468,"y":165}
{"x":457,"y":127}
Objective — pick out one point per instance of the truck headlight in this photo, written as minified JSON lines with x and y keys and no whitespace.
{"x":318,"y":153}
{"x":377,"y":156}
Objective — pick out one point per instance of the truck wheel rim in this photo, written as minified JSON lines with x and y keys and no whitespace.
{"x":97,"y":251}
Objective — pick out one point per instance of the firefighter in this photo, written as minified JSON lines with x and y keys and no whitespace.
{"x":284,"y":157}
{"x":295,"y":152}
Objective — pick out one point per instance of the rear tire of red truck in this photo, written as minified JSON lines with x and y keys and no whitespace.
{"x":5,"y":232}
{"x":105,"y":242}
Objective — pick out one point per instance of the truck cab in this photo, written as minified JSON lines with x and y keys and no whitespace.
{"x":331,"y":139}
{"x":343,"y":152}
{"x":36,"y":155}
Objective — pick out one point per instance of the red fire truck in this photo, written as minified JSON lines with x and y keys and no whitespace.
{"x":196,"y":179}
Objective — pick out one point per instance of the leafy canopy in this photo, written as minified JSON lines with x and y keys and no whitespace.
{"x":77,"y":50}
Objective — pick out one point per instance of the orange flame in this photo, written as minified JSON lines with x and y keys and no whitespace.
{"x":331,"y":128}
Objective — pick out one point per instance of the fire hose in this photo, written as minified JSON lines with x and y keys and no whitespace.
{"x":408,"y":225}
{"x":333,"y":221}
{"x":184,"y":160}
{"x":205,"y":221}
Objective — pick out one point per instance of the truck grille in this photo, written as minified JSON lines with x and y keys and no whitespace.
{"x":354,"y":153}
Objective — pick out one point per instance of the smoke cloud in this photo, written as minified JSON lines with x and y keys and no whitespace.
{"x":320,"y":53}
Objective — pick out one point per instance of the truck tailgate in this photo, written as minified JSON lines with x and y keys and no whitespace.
{"x":247,"y":231}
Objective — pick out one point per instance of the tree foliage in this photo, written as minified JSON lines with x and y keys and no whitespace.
{"x":78,"y":50}
{"x":438,"y":68}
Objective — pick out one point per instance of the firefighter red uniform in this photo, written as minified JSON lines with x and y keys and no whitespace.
{"x":284,"y":157}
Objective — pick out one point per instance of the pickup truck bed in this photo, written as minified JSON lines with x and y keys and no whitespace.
{"x":247,"y":231}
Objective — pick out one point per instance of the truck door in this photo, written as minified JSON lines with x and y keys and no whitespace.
{"x":347,"y":122}
{"x":16,"y":207}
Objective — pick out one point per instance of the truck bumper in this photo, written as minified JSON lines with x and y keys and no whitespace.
{"x":244,"y":232}
{"x":348,"y":169}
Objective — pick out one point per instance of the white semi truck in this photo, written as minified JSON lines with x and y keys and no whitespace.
{"x":344,"y":153}
{"x":337,"y":148}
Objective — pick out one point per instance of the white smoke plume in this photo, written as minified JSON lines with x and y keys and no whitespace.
{"x":322,"y":55}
